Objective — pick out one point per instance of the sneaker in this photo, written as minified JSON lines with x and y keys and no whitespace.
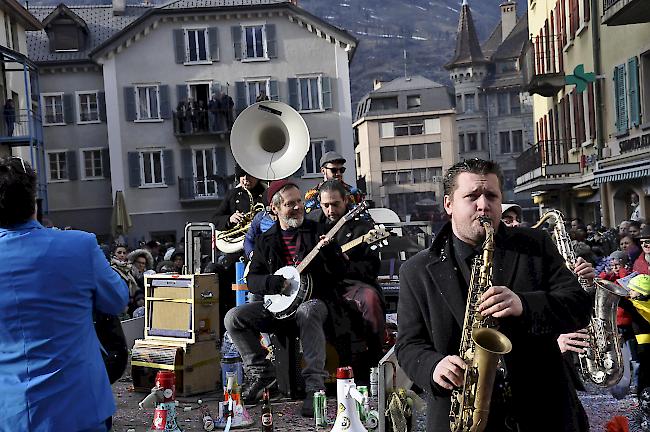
{"x":255,"y":388}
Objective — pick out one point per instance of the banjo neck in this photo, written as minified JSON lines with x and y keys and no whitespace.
{"x":311,"y":255}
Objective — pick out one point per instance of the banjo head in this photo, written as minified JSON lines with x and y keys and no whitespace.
{"x":278,"y":304}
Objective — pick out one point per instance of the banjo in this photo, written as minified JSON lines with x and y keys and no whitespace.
{"x":285,"y":305}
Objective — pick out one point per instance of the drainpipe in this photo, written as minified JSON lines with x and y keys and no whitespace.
{"x":598,"y":102}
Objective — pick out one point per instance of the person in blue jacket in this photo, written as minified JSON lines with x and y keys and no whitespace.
{"x":52,"y":377}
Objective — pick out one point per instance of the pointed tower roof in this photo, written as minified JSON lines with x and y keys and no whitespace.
{"x":468,"y":49}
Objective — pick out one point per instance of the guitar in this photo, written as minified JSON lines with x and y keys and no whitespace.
{"x":374,"y":236}
{"x":285,"y":305}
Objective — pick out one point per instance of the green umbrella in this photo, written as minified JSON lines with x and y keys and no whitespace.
{"x":121,"y":220}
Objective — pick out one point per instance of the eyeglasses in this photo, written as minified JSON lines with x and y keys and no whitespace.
{"x":336,"y":170}
{"x":645,"y":242}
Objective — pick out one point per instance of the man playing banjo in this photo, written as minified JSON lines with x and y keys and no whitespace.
{"x":287,"y":243}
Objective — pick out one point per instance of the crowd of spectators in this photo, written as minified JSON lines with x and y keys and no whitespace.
{"x":216,"y":115}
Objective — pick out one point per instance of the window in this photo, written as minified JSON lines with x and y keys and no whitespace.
{"x":413,"y":101}
{"x":434,"y":173}
{"x":58,"y":167}
{"x":402,"y":130}
{"x":387,"y":154}
{"x":432,"y":126}
{"x":66,"y":37}
{"x":515,"y":103}
{"x":406,"y":129}
{"x":459,"y":104}
{"x":255,"y":88}
{"x":472,"y":141}
{"x":147,"y":102}
{"x":388,"y":178}
{"x":502,"y":102}
{"x":504,"y":141}
{"x":151,"y":168}
{"x":405,"y":177}
{"x":87,"y":107}
{"x":309,"y":89}
{"x":470,"y":103}
{"x":387,"y":130}
{"x":92,"y":164}
{"x":255,"y":42}
{"x":418,"y":151}
{"x":420,"y":175}
{"x":433,"y":150}
{"x":383,"y":103}
{"x":461,"y":143}
{"x":312,"y":160}
{"x":196,"y":45}
{"x":403,"y":153}
{"x":53,"y":109}
{"x":517,"y":141}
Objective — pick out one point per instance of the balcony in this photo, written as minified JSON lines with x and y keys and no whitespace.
{"x":201,"y":189}
{"x":548,"y":164}
{"x":202,"y":123}
{"x":543,"y":66}
{"x":27,"y":129}
{"x":624,"y":12}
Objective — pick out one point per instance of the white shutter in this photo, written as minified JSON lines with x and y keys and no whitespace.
{"x":432,"y":126}
{"x":387,"y":130}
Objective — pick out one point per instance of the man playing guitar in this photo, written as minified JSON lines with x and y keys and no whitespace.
{"x":287,"y":243}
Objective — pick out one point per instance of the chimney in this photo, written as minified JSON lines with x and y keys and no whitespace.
{"x":508,"y":18}
{"x":119,"y":7}
{"x":294,"y":2}
{"x":376,"y":84}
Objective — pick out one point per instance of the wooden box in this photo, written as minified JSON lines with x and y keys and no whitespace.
{"x":196,"y":365}
{"x":182,"y":308}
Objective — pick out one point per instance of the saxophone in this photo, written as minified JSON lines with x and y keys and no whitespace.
{"x":602,"y":362}
{"x":481,"y":348}
{"x":232,"y":240}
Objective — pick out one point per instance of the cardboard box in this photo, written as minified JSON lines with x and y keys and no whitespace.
{"x":183,"y":308}
{"x":196,"y":365}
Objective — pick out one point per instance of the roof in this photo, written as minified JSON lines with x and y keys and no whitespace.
{"x":411,"y":83}
{"x":29,"y":21}
{"x":468,"y":49}
{"x":514,"y":44}
{"x":190,"y":4}
{"x":101,"y":23}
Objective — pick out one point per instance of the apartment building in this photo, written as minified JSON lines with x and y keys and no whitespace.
{"x":405,"y":138}
{"x":127,"y":92}
{"x":494,"y":114}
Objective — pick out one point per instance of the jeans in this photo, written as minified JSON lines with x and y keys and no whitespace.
{"x":245,"y":323}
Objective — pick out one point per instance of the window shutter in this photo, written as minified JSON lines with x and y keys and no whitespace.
{"x":101,"y":106}
{"x":168,"y":161}
{"x":633,"y":82}
{"x":621,"y":97}
{"x":274,"y":94}
{"x":240,"y":95}
{"x":187,"y":167}
{"x":134,"y":169}
{"x":165,"y":106}
{"x":271,"y":41}
{"x":586,"y":8}
{"x":221,"y":159}
{"x":106,"y":163}
{"x":71,"y":161}
{"x":330,"y":145}
{"x":572,"y":18}
{"x":582,"y":137}
{"x":213,"y":39}
{"x":326,"y":83}
{"x":592,"y":111}
{"x":68,"y":108}
{"x":181,"y":93}
{"x":564,"y":26}
{"x":236,"y":41}
{"x":179,"y":46}
{"x":301,"y":171}
{"x":129,"y":104}
{"x":293,"y":93}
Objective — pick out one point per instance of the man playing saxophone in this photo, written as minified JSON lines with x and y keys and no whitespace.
{"x":533,"y":297}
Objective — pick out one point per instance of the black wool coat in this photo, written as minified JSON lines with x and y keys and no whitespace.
{"x":236,"y":199}
{"x":431,"y":311}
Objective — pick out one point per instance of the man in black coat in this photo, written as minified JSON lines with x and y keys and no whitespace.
{"x":287,"y":243}
{"x":533,"y":295}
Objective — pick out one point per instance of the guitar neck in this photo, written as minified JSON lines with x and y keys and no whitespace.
{"x":352,"y":244}
{"x":311,"y":255}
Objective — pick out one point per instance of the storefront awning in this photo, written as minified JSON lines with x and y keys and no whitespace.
{"x":620,"y":174}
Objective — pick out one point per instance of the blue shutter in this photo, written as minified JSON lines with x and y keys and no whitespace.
{"x":134,"y":169}
{"x":106,"y":163}
{"x":71,"y":161}
{"x":101,"y":106}
{"x":271,"y":41}
{"x":274,"y":93}
{"x":621,"y":99}
{"x":68,"y":108}
{"x":240,"y":96}
{"x":633,"y":82}
{"x":179,"y":46}
{"x":330,"y":145}
{"x":293,"y":93}
{"x":181,"y":93}
{"x":168,"y":161}
{"x":235,"y":31}
{"x":301,"y":170}
{"x":187,"y":167}
{"x":165,"y":105}
{"x":213,"y":39}
{"x":221,"y":159}
{"x":129,"y":105}
{"x":327,"y":92}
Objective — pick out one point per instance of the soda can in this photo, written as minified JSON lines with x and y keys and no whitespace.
{"x":361,"y":408}
{"x":374,"y":381}
{"x":320,"y":408}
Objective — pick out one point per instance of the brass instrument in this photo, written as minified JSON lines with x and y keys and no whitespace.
{"x":481,"y":348}
{"x":232,"y":240}
{"x":602,"y":362}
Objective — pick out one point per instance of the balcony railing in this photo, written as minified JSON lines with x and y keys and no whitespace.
{"x":548,"y":158}
{"x":202,"y":122}
{"x":543,"y":65}
{"x":201,"y":188}
{"x":21,"y":128}
{"x":624,"y":12}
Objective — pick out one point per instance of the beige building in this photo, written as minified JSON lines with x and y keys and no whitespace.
{"x":589,"y":157}
{"x":405,"y":138}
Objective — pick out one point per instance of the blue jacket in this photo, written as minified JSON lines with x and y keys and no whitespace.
{"x":52,"y":377}
{"x":260,"y":224}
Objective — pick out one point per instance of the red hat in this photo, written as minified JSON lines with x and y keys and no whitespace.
{"x":276,"y":186}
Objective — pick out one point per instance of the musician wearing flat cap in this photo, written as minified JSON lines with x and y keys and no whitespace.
{"x":332,"y":166}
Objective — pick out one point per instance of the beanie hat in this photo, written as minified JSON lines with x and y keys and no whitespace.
{"x":276,"y":186}
{"x":619,"y":255}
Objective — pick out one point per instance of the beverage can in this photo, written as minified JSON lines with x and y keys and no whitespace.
{"x":374,"y":381}
{"x":320,"y":408}
{"x":361,"y":408}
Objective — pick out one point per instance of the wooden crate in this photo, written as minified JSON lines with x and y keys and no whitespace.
{"x":196,"y":365}
{"x":182,"y":308}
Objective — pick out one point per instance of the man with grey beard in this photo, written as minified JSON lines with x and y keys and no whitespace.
{"x":287,"y":243}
